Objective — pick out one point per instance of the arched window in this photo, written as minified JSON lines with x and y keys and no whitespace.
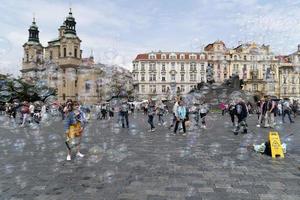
{"x":75,"y":52}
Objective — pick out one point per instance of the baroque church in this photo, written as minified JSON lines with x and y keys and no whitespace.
{"x":60,"y":64}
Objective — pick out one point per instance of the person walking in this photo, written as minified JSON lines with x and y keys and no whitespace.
{"x":180,"y":117}
{"x":25,"y":113}
{"x":124,"y":109}
{"x":241,"y":113}
{"x":295,"y":107}
{"x":232,"y":112}
{"x":151,"y":113}
{"x":223,"y":108}
{"x":174,"y":111}
{"x":261,"y":106}
{"x":203,"y":112}
{"x":160,"y":113}
{"x":270,"y":111}
{"x":287,"y":109}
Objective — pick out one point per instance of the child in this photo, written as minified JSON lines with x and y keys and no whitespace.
{"x":73,"y":129}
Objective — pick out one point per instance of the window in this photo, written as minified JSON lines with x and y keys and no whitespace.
{"x":87,"y":86}
{"x":192,"y":77}
{"x":152,"y":67}
{"x":182,"y":77}
{"x":245,"y":57}
{"x":75,"y":52}
{"x":202,"y":67}
{"x":143,"y":77}
{"x":163,"y":89}
{"x":193,"y":57}
{"x":163,"y":67}
{"x":143,"y":67}
{"x":182,"y":57}
{"x":173,"y":77}
{"x":293,"y":80}
{"x":64,"y":83}
{"x":193,"y":66}
{"x":173,"y":65}
{"x":293,"y":90}
{"x":254,"y":87}
{"x":182,"y":67}
{"x":152,"y":88}
{"x":272,"y":87}
{"x":65,"y":52}
{"x":152,"y":56}
{"x":64,"y":96}
{"x":76,"y":82}
{"x":284,"y":90}
{"x":235,"y":57}
{"x":163,"y":78}
{"x":284,"y":80}
{"x":202,"y":78}
{"x":27,"y":57}
{"x":173,"y":56}
{"x":152,"y":77}
{"x":50,"y":55}
{"x":182,"y":88}
{"x":143,"y":88}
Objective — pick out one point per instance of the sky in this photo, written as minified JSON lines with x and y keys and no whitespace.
{"x":117,"y":30}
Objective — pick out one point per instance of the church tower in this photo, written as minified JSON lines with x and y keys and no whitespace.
{"x":33,"y":51}
{"x":69,"y":59}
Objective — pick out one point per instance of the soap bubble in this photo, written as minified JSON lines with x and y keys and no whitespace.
{"x":42,"y":89}
{"x":96,"y":150}
{"x":5,"y":96}
{"x":17,"y":86}
{"x":109,"y":176}
{"x":30,"y":91}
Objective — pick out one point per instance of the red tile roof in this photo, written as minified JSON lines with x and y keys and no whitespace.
{"x":143,"y":56}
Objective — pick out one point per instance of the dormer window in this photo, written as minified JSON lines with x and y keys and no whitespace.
{"x":182,"y":56}
{"x":193,"y":57}
{"x":173,"y":56}
{"x":163,"y":57}
{"x":152,"y":56}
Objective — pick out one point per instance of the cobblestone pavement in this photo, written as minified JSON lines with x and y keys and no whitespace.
{"x":131,"y":164}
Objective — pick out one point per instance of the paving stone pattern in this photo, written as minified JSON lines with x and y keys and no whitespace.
{"x":133,"y":164}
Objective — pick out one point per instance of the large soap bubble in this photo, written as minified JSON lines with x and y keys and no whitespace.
{"x":5,"y":96}
{"x":17,"y":86}
{"x":50,"y":100}
{"x":42,"y":89}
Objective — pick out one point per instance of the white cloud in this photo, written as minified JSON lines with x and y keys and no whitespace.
{"x":118,"y":30}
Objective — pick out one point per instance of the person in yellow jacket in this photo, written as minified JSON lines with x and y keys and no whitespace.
{"x":73,"y":129}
